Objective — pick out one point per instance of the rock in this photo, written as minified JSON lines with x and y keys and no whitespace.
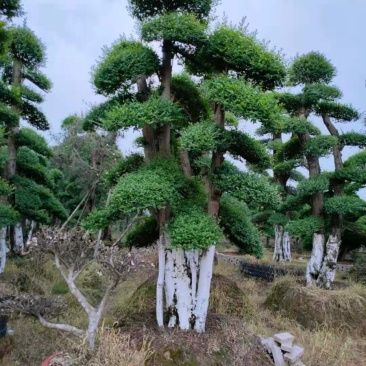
{"x":277,"y":355}
{"x":294,"y":355}
{"x":268,"y":344}
{"x":286,"y":346}
{"x":283,"y":337}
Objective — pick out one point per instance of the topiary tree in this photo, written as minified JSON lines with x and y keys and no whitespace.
{"x":287,"y":157}
{"x":314,"y":72}
{"x":184,"y":176}
{"x":8,"y":10}
{"x":34,"y":184}
{"x":25,"y":55}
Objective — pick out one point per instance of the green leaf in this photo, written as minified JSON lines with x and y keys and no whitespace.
{"x":321,"y":145}
{"x":156,"y":112}
{"x":121,"y":64}
{"x":142,"y":9}
{"x":242,"y":99}
{"x":235,"y":219}
{"x":26,"y":47}
{"x":192,"y":231}
{"x":311,"y":68}
{"x":174,"y":27}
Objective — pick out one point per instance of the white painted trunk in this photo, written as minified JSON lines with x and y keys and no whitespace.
{"x":278,"y":252}
{"x":30,"y":232}
{"x":203,"y":290}
{"x":187,"y":280}
{"x":329,"y":266}
{"x":160,"y":283}
{"x":182,"y":289}
{"x":315,"y":262}
{"x":18,"y":238}
{"x":2,"y":249}
{"x":286,"y":246}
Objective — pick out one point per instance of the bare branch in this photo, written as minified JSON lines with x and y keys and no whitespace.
{"x":63,"y":327}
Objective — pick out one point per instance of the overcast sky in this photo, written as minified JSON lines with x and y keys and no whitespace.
{"x":74,"y":32}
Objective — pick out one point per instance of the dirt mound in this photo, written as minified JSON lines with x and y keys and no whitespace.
{"x":311,"y":307}
{"x":226,"y":299}
{"x":227,"y":341}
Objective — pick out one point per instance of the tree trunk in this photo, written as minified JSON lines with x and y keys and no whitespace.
{"x":278,"y":250}
{"x":2,"y":249}
{"x":148,"y":132}
{"x":12,"y":151}
{"x":286,"y":245}
{"x":30,"y":232}
{"x":329,"y":266}
{"x":166,"y":81}
{"x":188,"y":277}
{"x":18,"y":238}
{"x":217,"y":160}
{"x":314,"y":265}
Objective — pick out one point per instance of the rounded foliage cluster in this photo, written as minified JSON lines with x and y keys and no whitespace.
{"x":196,"y":230}
{"x":230,"y":49}
{"x":235,"y":220}
{"x":142,"y":9}
{"x":183,"y":28}
{"x":26,"y":47}
{"x":311,"y":68}
{"x":122,"y":64}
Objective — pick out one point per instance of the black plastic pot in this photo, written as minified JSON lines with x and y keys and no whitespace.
{"x":3,"y":327}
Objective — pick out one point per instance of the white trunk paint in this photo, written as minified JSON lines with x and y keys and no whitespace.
{"x":278,"y":251}
{"x":30,"y":232}
{"x":203,"y":291}
{"x":2,"y":249}
{"x":18,"y":238}
{"x":160,"y":283}
{"x":286,"y":246}
{"x":314,"y":265}
{"x":187,"y":280}
{"x":182,"y":289}
{"x":329,"y":266}
{"x":169,"y":288}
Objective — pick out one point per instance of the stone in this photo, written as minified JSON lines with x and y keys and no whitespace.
{"x":277,"y":356}
{"x":283,"y":337}
{"x":286,"y":346}
{"x":294,"y":355}
{"x":268,"y":343}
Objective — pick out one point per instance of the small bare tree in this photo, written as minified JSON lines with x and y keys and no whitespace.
{"x":73,"y":252}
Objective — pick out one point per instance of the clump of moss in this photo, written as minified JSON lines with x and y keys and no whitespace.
{"x":313,"y":307}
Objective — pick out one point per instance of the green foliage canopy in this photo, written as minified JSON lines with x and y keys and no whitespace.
{"x":122,"y":64}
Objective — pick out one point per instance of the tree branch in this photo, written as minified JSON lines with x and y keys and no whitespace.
{"x":63,"y":327}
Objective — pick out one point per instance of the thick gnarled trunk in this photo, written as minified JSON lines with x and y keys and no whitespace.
{"x":184,"y":278}
{"x":316,"y":259}
{"x":329,"y":266}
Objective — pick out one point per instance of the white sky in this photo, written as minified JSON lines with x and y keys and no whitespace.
{"x":74,"y":32}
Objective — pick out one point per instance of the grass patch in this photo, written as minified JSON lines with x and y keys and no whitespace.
{"x":312,"y":307}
